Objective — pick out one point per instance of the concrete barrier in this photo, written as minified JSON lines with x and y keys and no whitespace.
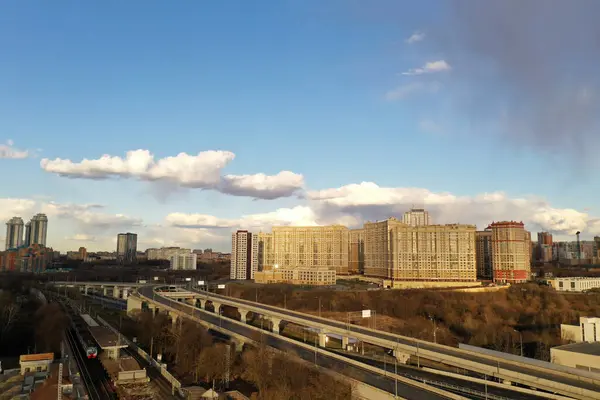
{"x":132,"y":376}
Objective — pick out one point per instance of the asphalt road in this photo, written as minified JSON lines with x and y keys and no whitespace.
{"x":446,"y":350}
{"x":371,"y":378}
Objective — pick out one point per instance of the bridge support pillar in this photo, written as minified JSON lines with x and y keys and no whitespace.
{"x":322,"y":339}
{"x":401,"y":357}
{"x":345,"y":342}
{"x":125,"y":293}
{"x":217,"y":307}
{"x":239,"y":345}
{"x":85,"y":290}
{"x":104,"y":291}
{"x":276,"y":324}
{"x":243,"y":315}
{"x":116,"y":292}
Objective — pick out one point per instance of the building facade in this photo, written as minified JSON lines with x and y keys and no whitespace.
{"x":127,"y":248}
{"x":574,"y":284}
{"x":39,"y":229}
{"x":416,"y":217}
{"x":244,"y":255}
{"x":27,"y":238}
{"x":573,"y":250}
{"x":544,"y":247}
{"x":311,"y":247}
{"x":266,"y":254}
{"x":483,"y":240}
{"x":511,"y":252}
{"x":35,"y":259}
{"x":186,"y":261}
{"x":14,"y":233}
{"x":356,"y":251}
{"x":297,"y":276}
{"x":165,"y":253}
{"x":397,"y":251}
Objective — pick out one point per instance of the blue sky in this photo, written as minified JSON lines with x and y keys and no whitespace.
{"x":332,"y":91}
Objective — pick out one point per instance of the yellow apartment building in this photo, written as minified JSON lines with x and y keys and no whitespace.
{"x":310,"y":247}
{"x":397,"y":251}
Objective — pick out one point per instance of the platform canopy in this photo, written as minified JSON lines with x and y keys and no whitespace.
{"x":106,"y":338}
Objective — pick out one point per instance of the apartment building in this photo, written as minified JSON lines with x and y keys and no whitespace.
{"x":165,"y":253}
{"x":483,"y":241}
{"x":397,"y":251}
{"x":297,"y":276}
{"x":35,"y":258}
{"x":511,"y":252}
{"x":356,"y":251}
{"x":14,"y":233}
{"x":127,"y":248}
{"x":311,"y":247}
{"x":244,"y":255}
{"x":183,"y":261}
{"x":416,"y":217}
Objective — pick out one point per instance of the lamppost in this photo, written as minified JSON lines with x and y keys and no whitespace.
{"x":521,"y":340}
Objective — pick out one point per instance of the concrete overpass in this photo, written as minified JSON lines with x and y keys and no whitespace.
{"x":575,"y":385}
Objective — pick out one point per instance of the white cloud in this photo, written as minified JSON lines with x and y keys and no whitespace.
{"x":368,"y":201}
{"x":415,"y":37}
{"x":201,"y":171}
{"x":429,"y":126}
{"x":262,"y":186}
{"x":10,"y":152}
{"x":81,"y":237}
{"x":296,"y":216}
{"x":429,"y":67}
{"x":92,"y":226}
{"x":403,"y":91}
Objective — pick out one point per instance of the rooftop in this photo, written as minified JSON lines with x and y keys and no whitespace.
{"x":592,"y":349}
{"x":37,"y":357}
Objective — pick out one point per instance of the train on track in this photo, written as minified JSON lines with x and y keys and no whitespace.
{"x":81,"y":326}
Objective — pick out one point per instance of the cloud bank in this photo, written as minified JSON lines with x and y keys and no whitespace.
{"x":200,"y":171}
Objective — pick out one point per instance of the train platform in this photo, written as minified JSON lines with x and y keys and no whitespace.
{"x":108,"y":341}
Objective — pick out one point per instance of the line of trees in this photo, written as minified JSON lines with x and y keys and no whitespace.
{"x":26,"y":324}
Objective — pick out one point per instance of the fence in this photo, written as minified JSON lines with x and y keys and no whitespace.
{"x":175,"y":384}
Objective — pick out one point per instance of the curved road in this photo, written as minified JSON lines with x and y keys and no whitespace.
{"x":446,"y":350}
{"x":373,"y":379}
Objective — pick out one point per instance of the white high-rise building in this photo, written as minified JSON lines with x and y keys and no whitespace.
{"x":39,"y":229}
{"x":416,"y":217}
{"x":184,"y":261}
{"x":14,"y":233}
{"x":244,"y":255}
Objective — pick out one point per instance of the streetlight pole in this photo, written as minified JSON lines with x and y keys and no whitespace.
{"x":319,"y":306}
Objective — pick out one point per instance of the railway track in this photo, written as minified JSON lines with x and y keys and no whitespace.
{"x":96,"y":387}
{"x":93,"y":375}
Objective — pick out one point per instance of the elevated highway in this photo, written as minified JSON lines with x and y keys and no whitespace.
{"x":567,"y":384}
{"x":371,"y":376}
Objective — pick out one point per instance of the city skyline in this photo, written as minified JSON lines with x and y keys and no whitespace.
{"x":291,"y":118}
